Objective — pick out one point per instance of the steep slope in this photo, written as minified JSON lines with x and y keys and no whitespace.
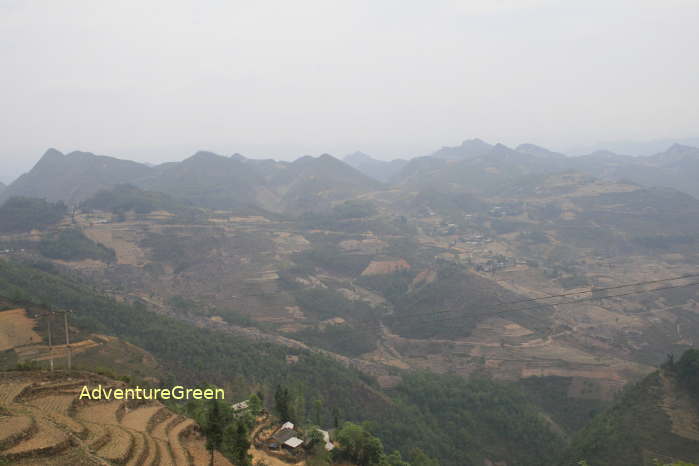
{"x":378,"y":169}
{"x":194,"y":355}
{"x":314,"y":183}
{"x":3,"y":186}
{"x":480,"y":170}
{"x":658,"y":418}
{"x":677,"y":167}
{"x":208,"y":180}
{"x":538,"y":151}
{"x":468,"y":149}
{"x":476,"y":165}
{"x":45,"y":422}
{"x":73,"y":177}
{"x":214,"y":181}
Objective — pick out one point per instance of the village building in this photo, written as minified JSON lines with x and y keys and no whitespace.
{"x":240,"y":406}
{"x":326,"y":437}
{"x":287,"y":437}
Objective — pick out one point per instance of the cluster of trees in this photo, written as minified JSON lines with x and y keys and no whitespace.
{"x":181,"y":252}
{"x":73,"y":245}
{"x":19,"y":214}
{"x":462,"y":422}
{"x":125,"y":197}
{"x":666,"y":242}
{"x":225,"y":430}
{"x":329,"y":257}
{"x":332,"y":219}
{"x":448,"y":418}
{"x":325,"y":303}
{"x":341,"y":338}
{"x":358,"y":445}
{"x":534,"y":237}
{"x":620,"y":434}
{"x":687,"y":369}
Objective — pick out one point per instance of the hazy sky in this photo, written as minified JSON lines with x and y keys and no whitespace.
{"x":158,"y":80}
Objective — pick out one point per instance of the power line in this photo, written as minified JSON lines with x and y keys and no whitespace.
{"x":589,"y":298}
{"x":574,"y":293}
{"x":372,"y":324}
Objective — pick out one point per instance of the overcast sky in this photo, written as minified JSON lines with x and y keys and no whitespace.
{"x":157,"y":80}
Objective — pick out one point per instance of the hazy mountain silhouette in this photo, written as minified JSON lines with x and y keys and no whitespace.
{"x":73,"y":177}
{"x":378,"y":169}
{"x":311,"y":183}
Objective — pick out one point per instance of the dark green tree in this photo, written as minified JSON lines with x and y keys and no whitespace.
{"x":237,"y":444}
{"x":419,"y":458}
{"x":214,"y":428}
{"x":359,"y":446}
{"x":317,"y":411}
{"x":254,"y":404}
{"x":281,"y":403}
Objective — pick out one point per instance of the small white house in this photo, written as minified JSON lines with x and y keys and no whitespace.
{"x":293,"y":442}
{"x":326,"y":436}
{"x":287,"y":425}
{"x":239,"y":406}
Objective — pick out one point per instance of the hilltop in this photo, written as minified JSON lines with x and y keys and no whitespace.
{"x":204,"y":180}
{"x":73,"y":177}
{"x":380,"y":170}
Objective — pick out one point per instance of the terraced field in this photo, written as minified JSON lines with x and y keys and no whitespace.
{"x":43,"y":422}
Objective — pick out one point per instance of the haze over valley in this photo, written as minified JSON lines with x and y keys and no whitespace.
{"x":473,"y":261}
{"x":451,"y":233}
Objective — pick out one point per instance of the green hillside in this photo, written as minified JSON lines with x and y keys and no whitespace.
{"x":497,"y":421}
{"x":655,"y":419}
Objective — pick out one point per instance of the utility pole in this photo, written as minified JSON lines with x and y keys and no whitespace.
{"x":50,"y":316}
{"x":65,"y":321}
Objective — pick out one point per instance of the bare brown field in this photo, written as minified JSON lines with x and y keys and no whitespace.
{"x":17,"y":329}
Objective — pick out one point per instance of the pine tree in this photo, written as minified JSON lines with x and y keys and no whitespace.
{"x":281,"y":403}
{"x":317,"y":410}
{"x":214,"y":428}
{"x":237,"y":443}
{"x":254,"y":404}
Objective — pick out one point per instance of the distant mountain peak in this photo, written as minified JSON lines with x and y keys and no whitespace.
{"x":204,"y":157}
{"x":205,"y":154}
{"x":682,"y":148}
{"x":473,"y":141}
{"x":470,"y":148}
{"x":73,"y":177}
{"x":357,"y":157}
{"x":51,"y":152}
{"x":51,"y":155}
{"x":537,"y":151}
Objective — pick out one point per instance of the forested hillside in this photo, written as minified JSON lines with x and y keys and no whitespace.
{"x":496,"y":420}
{"x":655,"y":419}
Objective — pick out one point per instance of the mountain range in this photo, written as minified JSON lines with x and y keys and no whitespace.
{"x":204,"y":179}
{"x":313,"y":183}
{"x":378,"y":289}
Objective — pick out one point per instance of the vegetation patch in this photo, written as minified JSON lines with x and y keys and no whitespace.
{"x":20,"y":214}
{"x":73,"y":245}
